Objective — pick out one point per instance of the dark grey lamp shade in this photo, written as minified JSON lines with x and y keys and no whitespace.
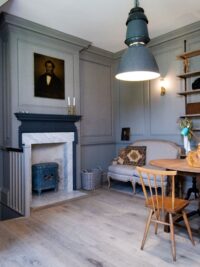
{"x":137,"y":64}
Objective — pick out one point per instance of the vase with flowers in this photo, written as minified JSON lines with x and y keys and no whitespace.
{"x":193,"y":157}
{"x":186,"y":132}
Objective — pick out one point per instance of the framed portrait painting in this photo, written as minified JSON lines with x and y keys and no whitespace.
{"x":125,"y":134}
{"x":49,"y":78}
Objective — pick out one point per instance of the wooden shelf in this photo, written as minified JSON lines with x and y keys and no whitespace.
{"x":190,"y":116}
{"x":189,"y":92}
{"x":189,"y":54}
{"x":189,"y":74}
{"x":192,"y":109}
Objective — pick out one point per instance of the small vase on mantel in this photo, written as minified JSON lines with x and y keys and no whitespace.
{"x":193,"y":157}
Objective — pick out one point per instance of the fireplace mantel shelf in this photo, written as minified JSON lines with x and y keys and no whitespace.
{"x":46,"y":123}
{"x":46,"y":117}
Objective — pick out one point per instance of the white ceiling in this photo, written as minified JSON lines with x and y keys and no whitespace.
{"x":2,"y":2}
{"x":102,"y":22}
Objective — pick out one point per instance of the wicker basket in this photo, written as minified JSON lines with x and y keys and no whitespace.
{"x":91,"y":179}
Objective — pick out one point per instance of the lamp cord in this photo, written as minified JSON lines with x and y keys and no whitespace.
{"x":136,"y":3}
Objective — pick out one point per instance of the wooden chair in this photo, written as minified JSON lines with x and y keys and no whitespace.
{"x":160,"y":204}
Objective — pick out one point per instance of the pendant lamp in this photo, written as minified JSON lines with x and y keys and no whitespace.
{"x":137,"y":63}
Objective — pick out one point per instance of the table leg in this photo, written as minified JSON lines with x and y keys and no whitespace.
{"x":178,"y":187}
{"x":193,"y":189}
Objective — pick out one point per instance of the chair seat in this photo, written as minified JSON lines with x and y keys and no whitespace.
{"x":131,"y":170}
{"x":179,"y":204}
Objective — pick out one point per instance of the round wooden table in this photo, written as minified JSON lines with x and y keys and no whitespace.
{"x":179,"y":165}
{"x":183,"y":169}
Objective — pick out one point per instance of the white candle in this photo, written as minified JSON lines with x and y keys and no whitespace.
{"x":68,"y":99}
{"x":73,"y":101}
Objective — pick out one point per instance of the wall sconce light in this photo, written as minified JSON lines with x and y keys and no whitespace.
{"x":162,"y":87}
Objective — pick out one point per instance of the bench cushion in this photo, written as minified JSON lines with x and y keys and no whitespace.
{"x":128,"y":173}
{"x":122,"y":169}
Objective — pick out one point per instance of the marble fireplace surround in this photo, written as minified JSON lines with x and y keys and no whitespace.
{"x":44,"y":129}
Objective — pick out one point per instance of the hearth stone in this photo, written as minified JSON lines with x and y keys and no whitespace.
{"x":44,"y":176}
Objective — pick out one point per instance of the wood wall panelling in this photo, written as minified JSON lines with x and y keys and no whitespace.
{"x":96,"y":102}
{"x":21,"y":38}
{"x":132,"y":107}
{"x":165,"y":110}
{"x":97,"y":156}
{"x":97,"y":124}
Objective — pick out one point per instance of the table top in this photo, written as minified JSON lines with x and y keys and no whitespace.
{"x":179,"y":165}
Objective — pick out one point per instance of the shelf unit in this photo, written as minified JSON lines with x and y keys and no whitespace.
{"x":188,"y":74}
{"x":189,"y":54}
{"x":189,"y":92}
{"x":190,"y":116}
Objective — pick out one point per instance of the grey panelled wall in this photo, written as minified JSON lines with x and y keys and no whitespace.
{"x":106,"y":105}
{"x":23,"y":40}
{"x":20,"y":39}
{"x":164,"y":111}
{"x":140,"y":105}
{"x":97,"y":125}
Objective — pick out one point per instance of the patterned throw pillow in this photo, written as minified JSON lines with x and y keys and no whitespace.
{"x":132,"y":155}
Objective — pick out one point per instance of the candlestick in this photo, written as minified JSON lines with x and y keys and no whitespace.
{"x":70,"y":110}
{"x":68,"y":101}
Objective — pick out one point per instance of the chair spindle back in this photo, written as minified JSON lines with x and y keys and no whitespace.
{"x":156,"y":179}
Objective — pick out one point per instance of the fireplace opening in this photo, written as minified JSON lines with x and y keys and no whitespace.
{"x":49,"y":163}
{"x":50,"y":158}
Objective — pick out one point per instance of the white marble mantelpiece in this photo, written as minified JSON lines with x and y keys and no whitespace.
{"x":65,"y":159}
{"x":29,"y":139}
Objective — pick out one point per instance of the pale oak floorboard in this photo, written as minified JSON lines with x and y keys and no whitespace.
{"x":102,"y":230}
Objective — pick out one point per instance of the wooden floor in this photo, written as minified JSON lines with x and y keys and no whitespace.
{"x":102,"y":230}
